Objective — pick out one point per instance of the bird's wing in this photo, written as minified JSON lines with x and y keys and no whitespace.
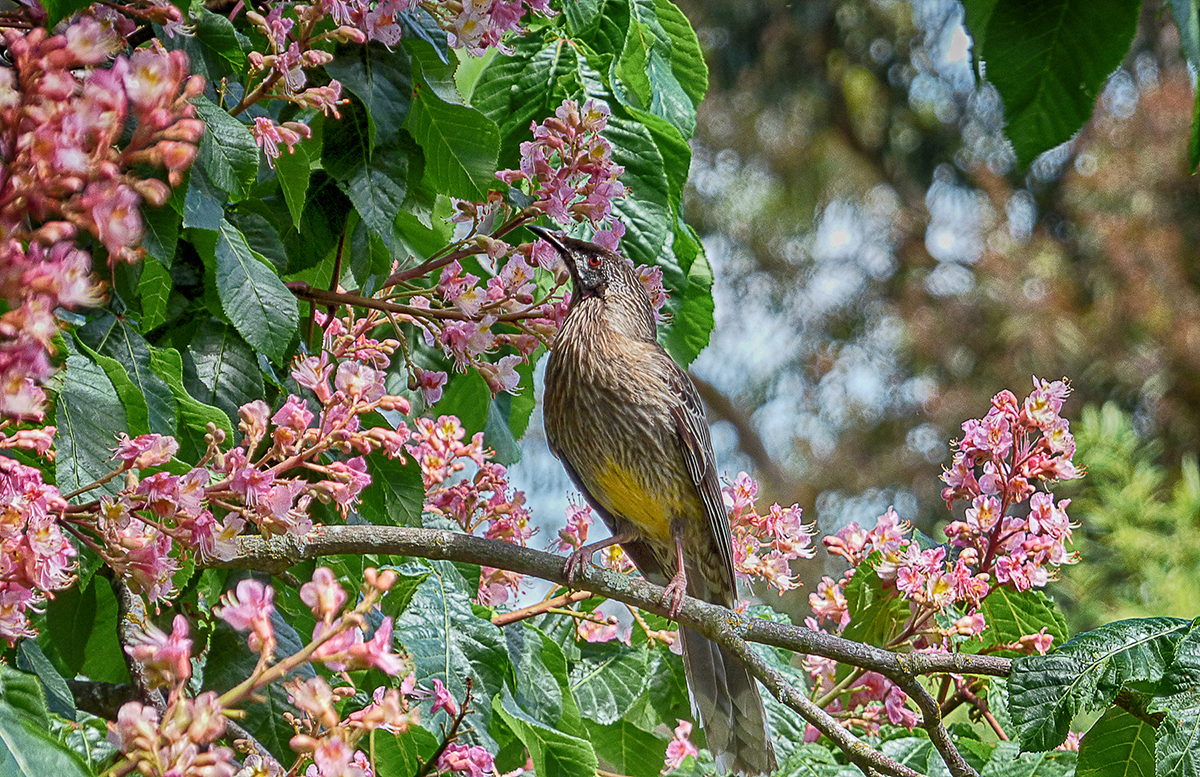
{"x":695,"y":443}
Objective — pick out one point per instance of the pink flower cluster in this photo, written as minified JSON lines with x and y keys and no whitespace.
{"x":765,"y":545}
{"x":999,"y":460}
{"x":66,"y":171}
{"x":477,"y":25}
{"x":484,"y":501}
{"x":868,"y":702}
{"x":177,"y":741}
{"x":473,"y":760}
{"x":680,"y":747}
{"x":485,"y":316}
{"x":36,"y":558}
{"x":999,"y":463}
{"x":569,"y":170}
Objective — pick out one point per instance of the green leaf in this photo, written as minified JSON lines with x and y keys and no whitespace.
{"x":581,"y":14}
{"x":22,"y":694}
{"x":1045,"y":692}
{"x":137,"y":411}
{"x":1049,"y":59}
{"x":1014,"y":614}
{"x":323,"y":219}
{"x":554,"y":753}
{"x":468,"y":397}
{"x":812,"y":760}
{"x":59,"y":698}
{"x":294,"y":171}
{"x":154,"y":288}
{"x":162,"y":233}
{"x":687,"y":59}
{"x":216,"y":34}
{"x":540,"y":670}
{"x":606,"y":682}
{"x":437,"y":74}
{"x":646,"y":212}
{"x":1008,"y":761}
{"x":194,"y":415}
{"x":227,"y":150}
{"x":222,"y":370}
{"x":874,"y":613}
{"x":689,"y":282}
{"x":57,"y":10}
{"x":204,"y":204}
{"x":461,"y":145}
{"x":1117,"y":745}
{"x":115,"y":338}
{"x":89,"y":415}
{"x":26,"y":750}
{"x":104,"y":656}
{"x":257,"y":303}
{"x":396,"y":494}
{"x":402,"y":755}
{"x":377,"y":190}
{"x":446,"y":640}
{"x":70,"y":618}
{"x":627,"y":748}
{"x":645,"y":66}
{"x":382,"y":79}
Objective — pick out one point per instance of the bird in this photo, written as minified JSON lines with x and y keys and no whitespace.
{"x":628,"y":426}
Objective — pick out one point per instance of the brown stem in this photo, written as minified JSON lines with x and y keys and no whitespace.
{"x":567,"y":599}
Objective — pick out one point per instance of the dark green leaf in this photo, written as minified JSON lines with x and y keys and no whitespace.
{"x":227,"y":150}
{"x":875,"y":614}
{"x":396,"y":494}
{"x":1117,"y":745}
{"x":137,"y":411}
{"x":22,"y":694}
{"x":59,"y":698}
{"x":377,"y":190}
{"x":627,"y":748}
{"x":468,"y":397}
{"x":1049,"y":59}
{"x":162,"y":233}
{"x":115,"y":338}
{"x":294,"y":171}
{"x":1008,"y":761}
{"x":581,"y":14}
{"x":216,"y":34}
{"x":554,"y":752}
{"x":194,"y":415}
{"x":446,"y":640}
{"x":70,"y":618}
{"x":382,"y":79}
{"x":687,"y":60}
{"x":89,"y":415}
{"x":259,"y":306}
{"x":461,"y":145}
{"x":608,"y":680}
{"x":224,"y":371}
{"x":538,"y":688}
{"x":104,"y":656}
{"x":204,"y":205}
{"x":154,"y":289}
{"x":26,"y":750}
{"x":1045,"y":692}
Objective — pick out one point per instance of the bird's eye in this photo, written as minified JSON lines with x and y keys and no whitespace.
{"x":594,"y":262}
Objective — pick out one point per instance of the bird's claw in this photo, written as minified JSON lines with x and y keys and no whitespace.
{"x":673,"y":594}
{"x":574,"y":563}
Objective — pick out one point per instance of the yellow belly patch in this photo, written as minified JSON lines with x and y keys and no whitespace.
{"x":622,"y":493}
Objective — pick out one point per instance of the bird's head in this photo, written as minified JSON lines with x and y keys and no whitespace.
{"x":600,"y":274}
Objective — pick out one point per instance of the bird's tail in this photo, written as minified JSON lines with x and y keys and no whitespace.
{"x":731,"y":710}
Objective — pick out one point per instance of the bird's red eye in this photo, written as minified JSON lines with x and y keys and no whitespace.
{"x":594,"y":262}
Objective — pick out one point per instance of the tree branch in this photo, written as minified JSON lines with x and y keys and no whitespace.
{"x":725,"y":627}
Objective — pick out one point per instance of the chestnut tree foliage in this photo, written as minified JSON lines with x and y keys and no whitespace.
{"x":270,"y":325}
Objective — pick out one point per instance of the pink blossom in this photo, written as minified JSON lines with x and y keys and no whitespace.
{"x":680,"y":747}
{"x":167,"y":659}
{"x":249,"y":608}
{"x":324,"y":595}
{"x":442,"y":700}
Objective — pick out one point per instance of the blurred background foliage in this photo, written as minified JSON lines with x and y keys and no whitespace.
{"x":884,"y":267}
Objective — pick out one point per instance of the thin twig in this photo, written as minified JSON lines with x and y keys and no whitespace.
{"x":565,"y":600}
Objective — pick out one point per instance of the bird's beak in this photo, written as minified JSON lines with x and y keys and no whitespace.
{"x":553,"y":238}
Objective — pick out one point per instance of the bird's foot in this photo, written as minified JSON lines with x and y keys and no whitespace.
{"x":575,"y":562}
{"x":674,"y":592}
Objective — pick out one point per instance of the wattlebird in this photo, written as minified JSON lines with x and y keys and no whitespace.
{"x":628,"y":426}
